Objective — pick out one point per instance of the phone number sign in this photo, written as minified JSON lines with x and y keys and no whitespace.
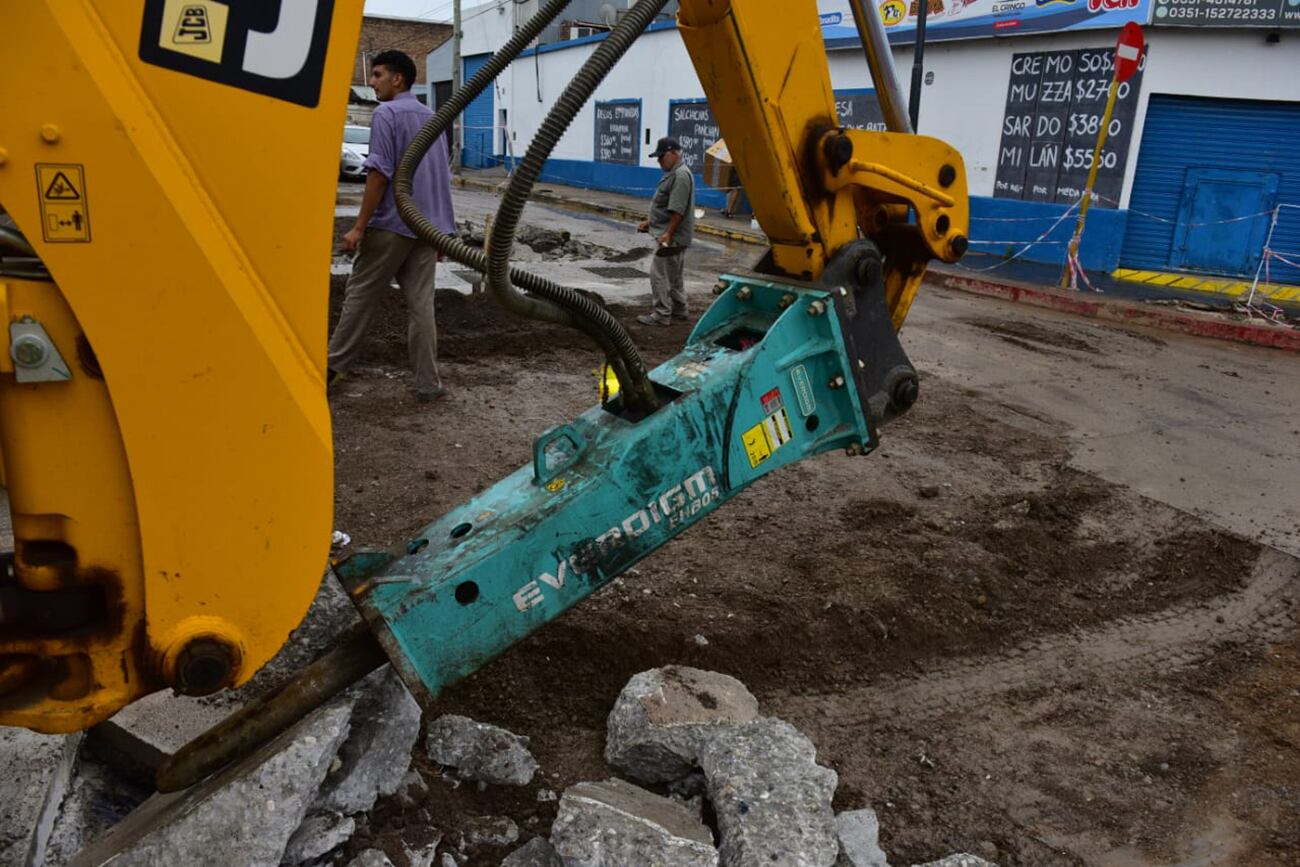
{"x":1226,"y":13}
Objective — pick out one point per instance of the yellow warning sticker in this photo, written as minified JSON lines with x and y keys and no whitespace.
{"x":766,"y":437}
{"x":65,"y":215}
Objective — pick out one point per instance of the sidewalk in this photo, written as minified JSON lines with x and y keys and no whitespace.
{"x":1034,"y":283}
{"x":618,"y":205}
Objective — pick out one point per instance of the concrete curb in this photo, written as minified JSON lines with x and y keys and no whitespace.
{"x":1125,"y":312}
{"x":609,"y":210}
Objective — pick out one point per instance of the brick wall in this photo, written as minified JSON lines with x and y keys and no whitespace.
{"x":416,"y":38}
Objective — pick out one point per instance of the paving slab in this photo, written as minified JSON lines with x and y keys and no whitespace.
{"x":242,"y":815}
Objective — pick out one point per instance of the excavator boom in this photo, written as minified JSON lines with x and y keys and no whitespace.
{"x":163,"y":422}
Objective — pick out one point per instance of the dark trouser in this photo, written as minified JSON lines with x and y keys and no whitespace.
{"x":384,"y":255}
{"x":666,"y":286}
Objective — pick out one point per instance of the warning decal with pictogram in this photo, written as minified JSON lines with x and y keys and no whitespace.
{"x":65,"y":213}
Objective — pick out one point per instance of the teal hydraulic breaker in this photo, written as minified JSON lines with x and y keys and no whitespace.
{"x":774,"y":372}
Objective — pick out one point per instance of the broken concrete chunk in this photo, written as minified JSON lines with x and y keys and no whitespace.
{"x":960,"y":860}
{"x":316,"y":836}
{"x":422,"y":855}
{"x":371,"y":858}
{"x":377,"y":753}
{"x":38,"y":772}
{"x":242,"y":815}
{"x":96,"y":800}
{"x":615,"y":823}
{"x":413,"y":790}
{"x":771,"y":798}
{"x":537,"y":852}
{"x":479,"y":751}
{"x":489,"y":831}
{"x":859,"y":833}
{"x":662,"y":717}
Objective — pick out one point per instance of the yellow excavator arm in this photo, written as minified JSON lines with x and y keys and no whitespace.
{"x":163,"y":422}
{"x":171,"y":476}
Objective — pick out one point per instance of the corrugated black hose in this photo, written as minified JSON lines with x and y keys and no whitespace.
{"x":639,"y":392}
{"x":552,"y":298}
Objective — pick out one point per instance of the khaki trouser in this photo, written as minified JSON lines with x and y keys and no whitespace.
{"x":666,"y":286}
{"x":382,"y":256}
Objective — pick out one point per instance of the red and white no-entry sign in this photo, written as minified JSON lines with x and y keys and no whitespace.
{"x":1128,"y":51}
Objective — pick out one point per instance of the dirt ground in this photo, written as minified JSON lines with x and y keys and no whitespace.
{"x":998,"y":653}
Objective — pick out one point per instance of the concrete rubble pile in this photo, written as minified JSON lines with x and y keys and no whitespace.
{"x":707,"y":781}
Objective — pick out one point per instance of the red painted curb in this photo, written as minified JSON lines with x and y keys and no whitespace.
{"x":1127,"y":312}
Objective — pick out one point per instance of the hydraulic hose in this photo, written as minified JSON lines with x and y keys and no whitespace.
{"x":14,"y":242}
{"x":25,"y":264}
{"x":639,"y":391}
{"x":553,"y":302}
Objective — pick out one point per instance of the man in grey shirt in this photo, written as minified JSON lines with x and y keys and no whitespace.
{"x":388,"y":248}
{"x":672,"y":223}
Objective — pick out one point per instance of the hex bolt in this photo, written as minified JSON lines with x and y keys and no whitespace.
{"x":817,"y":308}
{"x":786,"y":300}
{"x":50,"y":134}
{"x":4,"y":156}
{"x":744,"y":293}
{"x":837,"y":381}
{"x":29,"y":350}
{"x":204,"y":666}
{"x":853,"y":449}
{"x":720,"y":287}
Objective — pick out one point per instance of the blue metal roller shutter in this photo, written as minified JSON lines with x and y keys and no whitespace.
{"x":1185,"y":136}
{"x":477,"y":142}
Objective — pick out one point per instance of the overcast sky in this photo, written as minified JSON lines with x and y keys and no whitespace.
{"x":433,"y":10}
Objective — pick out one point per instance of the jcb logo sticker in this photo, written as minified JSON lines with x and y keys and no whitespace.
{"x":268,"y":47}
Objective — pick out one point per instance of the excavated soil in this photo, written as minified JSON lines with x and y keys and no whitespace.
{"x":998,"y":653}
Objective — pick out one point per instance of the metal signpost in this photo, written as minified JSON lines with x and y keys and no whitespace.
{"x":1128,"y":56}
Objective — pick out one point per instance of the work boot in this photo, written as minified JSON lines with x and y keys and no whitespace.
{"x":430,"y":396}
{"x":681,"y":317}
{"x":651,"y":319}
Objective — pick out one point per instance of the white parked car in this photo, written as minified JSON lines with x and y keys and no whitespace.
{"x":356,"y":146}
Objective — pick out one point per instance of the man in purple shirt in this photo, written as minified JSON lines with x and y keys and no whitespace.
{"x":387,"y":248}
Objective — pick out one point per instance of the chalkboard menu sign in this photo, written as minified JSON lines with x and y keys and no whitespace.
{"x":691,"y":122}
{"x":1055,"y":101}
{"x":618,"y":131}
{"x":1220,"y":13}
{"x":858,"y":109}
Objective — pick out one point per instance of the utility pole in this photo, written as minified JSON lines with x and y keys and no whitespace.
{"x":456,"y":82}
{"x":918,"y":64}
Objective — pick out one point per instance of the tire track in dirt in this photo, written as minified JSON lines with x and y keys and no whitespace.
{"x":1260,"y":612}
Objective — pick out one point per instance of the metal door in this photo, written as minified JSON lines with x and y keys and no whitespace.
{"x":1223,"y":221}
